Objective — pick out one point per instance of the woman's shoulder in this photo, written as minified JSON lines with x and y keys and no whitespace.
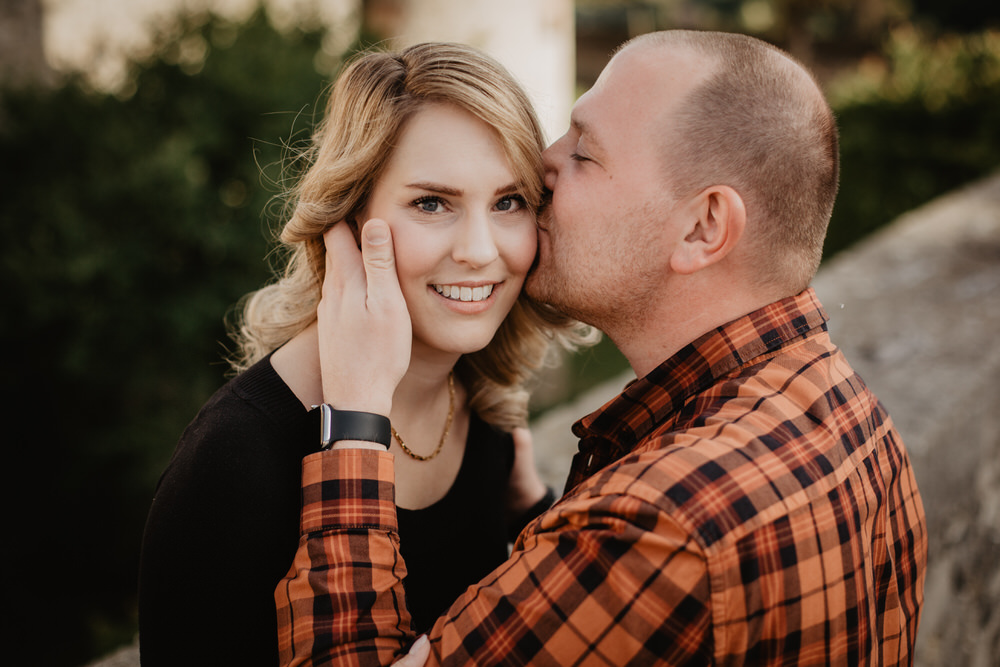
{"x":249,"y":422}
{"x":255,"y":398}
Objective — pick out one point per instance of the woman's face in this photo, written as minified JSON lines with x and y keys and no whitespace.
{"x":463,"y":236}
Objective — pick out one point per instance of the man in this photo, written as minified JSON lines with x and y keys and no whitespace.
{"x":747,"y":499}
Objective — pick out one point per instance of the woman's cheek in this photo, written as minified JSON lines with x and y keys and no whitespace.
{"x":524,"y":248}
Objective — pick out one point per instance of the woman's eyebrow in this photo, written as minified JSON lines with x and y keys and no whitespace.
{"x":509,"y":189}
{"x":436,"y":187}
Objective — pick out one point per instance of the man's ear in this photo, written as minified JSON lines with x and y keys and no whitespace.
{"x":716,"y":220}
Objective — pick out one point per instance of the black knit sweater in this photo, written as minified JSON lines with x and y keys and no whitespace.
{"x":234,"y":481}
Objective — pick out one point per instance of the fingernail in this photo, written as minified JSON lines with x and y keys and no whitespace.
{"x":419,"y":644}
{"x":376,"y":234}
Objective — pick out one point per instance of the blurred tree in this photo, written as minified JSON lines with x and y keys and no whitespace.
{"x":957,"y":15}
{"x":920,"y":120}
{"x":129,"y":224}
{"x":824,"y":34}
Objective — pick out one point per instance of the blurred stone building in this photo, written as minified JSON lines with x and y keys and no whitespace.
{"x":22,"y":56}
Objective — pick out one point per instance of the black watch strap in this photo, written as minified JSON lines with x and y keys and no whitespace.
{"x":336,"y":425}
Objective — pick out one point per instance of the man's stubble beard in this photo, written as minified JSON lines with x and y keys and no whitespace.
{"x":544,"y":288}
{"x":567,"y":291}
{"x":612,"y":295}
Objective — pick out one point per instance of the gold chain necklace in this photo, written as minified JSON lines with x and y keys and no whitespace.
{"x":447,"y":425}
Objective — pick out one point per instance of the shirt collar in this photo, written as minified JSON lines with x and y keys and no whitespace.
{"x":615,"y":429}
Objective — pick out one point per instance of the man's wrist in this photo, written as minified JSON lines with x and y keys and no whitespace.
{"x":357,"y":444}
{"x":375,"y":402}
{"x":352,"y":426}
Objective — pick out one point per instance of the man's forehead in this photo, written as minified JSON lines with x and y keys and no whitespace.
{"x":640,"y":83}
{"x":579,"y":122}
{"x":585,"y":116}
{"x":603,"y":112}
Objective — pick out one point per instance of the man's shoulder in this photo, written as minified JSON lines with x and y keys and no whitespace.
{"x":722,"y":482}
{"x":770,"y":436}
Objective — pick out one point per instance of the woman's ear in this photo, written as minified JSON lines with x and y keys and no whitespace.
{"x":716,"y":220}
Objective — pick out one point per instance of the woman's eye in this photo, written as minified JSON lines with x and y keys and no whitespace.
{"x":511,"y":203}
{"x":578,"y":158}
{"x":429,"y":204}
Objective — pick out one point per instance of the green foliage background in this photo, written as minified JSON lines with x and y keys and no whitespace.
{"x":131,"y":224}
{"x":922,"y":120}
{"x":129,"y":228}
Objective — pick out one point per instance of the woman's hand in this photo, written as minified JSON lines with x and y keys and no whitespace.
{"x":525,"y":487}
{"x":364,"y":326}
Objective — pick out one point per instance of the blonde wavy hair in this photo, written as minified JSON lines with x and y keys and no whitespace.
{"x":369,"y":106}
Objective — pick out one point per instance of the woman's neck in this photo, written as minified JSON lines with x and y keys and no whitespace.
{"x":420,"y":390}
{"x":424,"y":389}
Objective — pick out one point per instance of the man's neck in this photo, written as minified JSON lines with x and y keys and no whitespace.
{"x":676,"y":323}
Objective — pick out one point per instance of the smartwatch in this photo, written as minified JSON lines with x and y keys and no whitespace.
{"x":336,"y":425}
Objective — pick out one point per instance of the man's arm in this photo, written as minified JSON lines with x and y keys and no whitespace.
{"x":343,"y":594}
{"x":602,"y":576}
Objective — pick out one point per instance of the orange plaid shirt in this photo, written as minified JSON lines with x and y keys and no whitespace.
{"x":749,"y":501}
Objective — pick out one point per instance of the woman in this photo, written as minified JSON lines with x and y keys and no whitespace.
{"x":441,"y":142}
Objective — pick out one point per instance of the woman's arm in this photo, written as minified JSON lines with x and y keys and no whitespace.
{"x":201,"y":603}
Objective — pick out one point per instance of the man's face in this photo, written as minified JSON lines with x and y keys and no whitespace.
{"x":603,"y":253}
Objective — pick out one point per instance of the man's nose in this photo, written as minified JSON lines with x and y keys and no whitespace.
{"x":550,"y":179}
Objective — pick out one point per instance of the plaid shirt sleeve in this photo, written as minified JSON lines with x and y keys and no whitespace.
{"x":594,"y":580}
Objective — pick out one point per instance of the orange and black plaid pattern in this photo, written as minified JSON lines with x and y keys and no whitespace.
{"x":748,"y":502}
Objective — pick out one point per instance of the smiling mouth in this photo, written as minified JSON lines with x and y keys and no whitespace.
{"x":460,"y":293}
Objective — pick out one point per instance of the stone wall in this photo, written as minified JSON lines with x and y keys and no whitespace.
{"x":22,"y":58}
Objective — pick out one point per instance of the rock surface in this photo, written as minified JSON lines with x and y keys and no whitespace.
{"x":915,"y":309}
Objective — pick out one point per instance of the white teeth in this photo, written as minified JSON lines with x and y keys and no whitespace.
{"x":459,"y":293}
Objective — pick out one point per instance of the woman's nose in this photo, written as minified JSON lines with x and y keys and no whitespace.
{"x":475,"y":244}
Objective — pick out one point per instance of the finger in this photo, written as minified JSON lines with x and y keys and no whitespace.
{"x":522,"y":439}
{"x":379,"y":259}
{"x":343,"y":261}
{"x":418,"y":654}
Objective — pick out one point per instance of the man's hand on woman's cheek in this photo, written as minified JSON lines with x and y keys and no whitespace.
{"x":364,"y":325}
